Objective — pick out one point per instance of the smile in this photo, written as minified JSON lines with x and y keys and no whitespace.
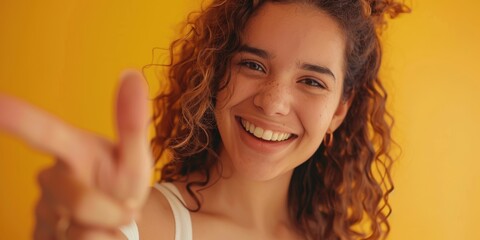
{"x":265,"y":134}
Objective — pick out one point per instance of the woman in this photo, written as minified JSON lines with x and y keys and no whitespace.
{"x":272,"y":123}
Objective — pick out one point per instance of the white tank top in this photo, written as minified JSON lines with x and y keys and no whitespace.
{"x":183,"y":223}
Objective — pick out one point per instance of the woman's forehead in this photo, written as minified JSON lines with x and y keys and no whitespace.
{"x":297,"y":32}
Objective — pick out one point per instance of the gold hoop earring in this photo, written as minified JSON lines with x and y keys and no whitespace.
{"x":328,"y":139}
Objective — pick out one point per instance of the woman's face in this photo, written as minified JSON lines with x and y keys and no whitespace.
{"x":284,"y":93}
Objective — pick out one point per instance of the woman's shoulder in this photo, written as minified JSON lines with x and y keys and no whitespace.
{"x":156,"y":219}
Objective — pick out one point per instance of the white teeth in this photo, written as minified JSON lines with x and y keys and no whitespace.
{"x":267,"y":135}
{"x":251,"y":128}
{"x":275,"y":136}
{"x":258,"y":132}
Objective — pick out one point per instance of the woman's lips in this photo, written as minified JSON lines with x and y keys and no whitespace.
{"x":264,"y":134}
{"x":262,"y":145}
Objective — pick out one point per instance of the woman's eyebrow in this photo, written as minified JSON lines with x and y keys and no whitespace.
{"x":255,"y":51}
{"x":305,"y":66}
{"x":318,"y":69}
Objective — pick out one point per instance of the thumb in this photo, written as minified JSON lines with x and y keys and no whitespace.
{"x":134,"y":156}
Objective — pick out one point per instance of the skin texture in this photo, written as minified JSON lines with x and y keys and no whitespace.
{"x":275,"y":91}
{"x":347,"y":182}
{"x":249,"y":201}
{"x":101,"y":185}
{"x":97,"y":184}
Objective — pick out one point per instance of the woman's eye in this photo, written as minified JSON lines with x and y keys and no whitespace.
{"x":313,"y":83}
{"x":252,"y":65}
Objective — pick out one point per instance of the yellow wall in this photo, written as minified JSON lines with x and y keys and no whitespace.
{"x":65,"y":55}
{"x":433,"y":59}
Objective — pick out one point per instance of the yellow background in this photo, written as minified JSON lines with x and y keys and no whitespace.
{"x":65,"y":56}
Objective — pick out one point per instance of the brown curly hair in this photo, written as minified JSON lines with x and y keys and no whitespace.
{"x":341,"y":186}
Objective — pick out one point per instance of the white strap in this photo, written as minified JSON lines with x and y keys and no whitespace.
{"x":183,"y":222}
{"x":131,"y":231}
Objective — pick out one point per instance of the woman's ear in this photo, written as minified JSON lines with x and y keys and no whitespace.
{"x":340,"y":113}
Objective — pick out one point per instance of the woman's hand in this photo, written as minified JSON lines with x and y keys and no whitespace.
{"x":95,"y":186}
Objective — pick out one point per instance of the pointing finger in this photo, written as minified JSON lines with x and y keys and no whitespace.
{"x":39,"y":129}
{"x":133,"y":148}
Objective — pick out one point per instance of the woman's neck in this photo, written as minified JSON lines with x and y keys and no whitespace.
{"x":257,"y":204}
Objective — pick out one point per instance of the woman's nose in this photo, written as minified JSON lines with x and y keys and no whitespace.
{"x":273,"y":98}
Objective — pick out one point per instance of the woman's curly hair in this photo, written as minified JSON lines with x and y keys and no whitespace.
{"x":343,"y":187}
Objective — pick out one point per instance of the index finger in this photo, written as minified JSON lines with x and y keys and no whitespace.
{"x":39,"y":129}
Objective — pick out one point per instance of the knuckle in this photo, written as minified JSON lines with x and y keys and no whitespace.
{"x":45,"y":179}
{"x":40,"y":231}
{"x":82,"y":209}
{"x":44,"y":218}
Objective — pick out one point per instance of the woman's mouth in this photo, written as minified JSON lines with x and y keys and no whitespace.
{"x":265,"y":134}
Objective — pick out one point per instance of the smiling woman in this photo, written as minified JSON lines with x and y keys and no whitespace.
{"x":248,"y":138}
{"x":278,"y":92}
{"x":272,"y":120}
